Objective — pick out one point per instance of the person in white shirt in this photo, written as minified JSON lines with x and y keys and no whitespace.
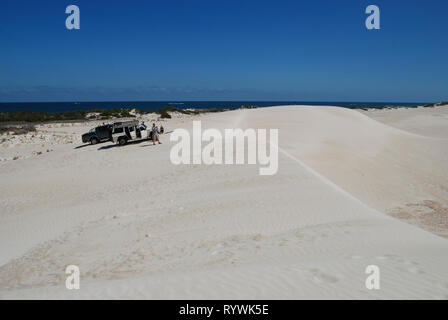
{"x":155,"y":134}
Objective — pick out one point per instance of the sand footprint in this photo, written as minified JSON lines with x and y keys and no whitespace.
{"x":444,"y":286}
{"x":416,"y":270}
{"x":412,"y":266}
{"x":407,"y":265}
{"x":320,"y":277}
{"x":386,"y":257}
{"x":356,"y":257}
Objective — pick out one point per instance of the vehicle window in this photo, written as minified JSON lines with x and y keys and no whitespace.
{"x":131,"y":129}
{"x":118,"y":130}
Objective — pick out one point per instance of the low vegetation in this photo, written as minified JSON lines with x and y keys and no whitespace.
{"x":96,"y":114}
{"x":164,"y":113}
{"x":30,"y":116}
{"x":432,"y":105}
{"x":17,"y":129}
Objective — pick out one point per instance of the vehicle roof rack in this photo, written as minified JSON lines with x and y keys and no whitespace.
{"x":125,"y":124}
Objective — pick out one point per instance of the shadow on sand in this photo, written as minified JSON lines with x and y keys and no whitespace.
{"x":118,"y":146}
{"x":82,"y":146}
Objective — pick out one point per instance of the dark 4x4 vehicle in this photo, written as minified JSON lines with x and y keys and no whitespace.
{"x":98,"y":134}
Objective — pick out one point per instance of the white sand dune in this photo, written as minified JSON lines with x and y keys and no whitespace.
{"x":140,"y":227}
{"x":430,"y":122}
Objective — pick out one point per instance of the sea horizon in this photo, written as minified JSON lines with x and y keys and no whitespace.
{"x":65,"y":106}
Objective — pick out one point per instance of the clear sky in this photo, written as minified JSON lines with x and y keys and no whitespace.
{"x":224,"y":50}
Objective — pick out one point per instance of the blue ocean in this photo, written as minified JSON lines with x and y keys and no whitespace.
{"x":56,"y":107}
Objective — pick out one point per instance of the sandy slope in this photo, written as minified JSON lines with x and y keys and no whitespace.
{"x":430,"y":122}
{"x":139,"y":227}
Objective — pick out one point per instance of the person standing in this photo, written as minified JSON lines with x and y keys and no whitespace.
{"x":155,"y":134}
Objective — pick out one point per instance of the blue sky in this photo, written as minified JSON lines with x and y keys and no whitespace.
{"x":224,"y":50}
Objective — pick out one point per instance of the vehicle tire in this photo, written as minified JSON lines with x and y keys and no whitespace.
{"x":94,"y":141}
{"x":122,"y":141}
